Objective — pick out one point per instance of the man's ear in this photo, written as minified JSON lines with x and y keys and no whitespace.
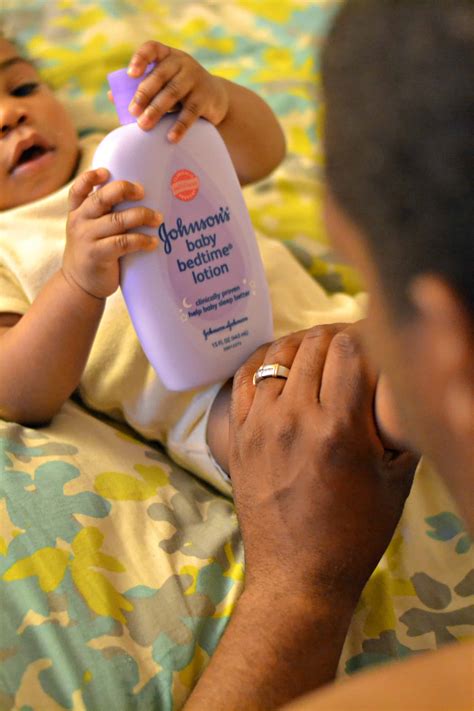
{"x":448,"y":341}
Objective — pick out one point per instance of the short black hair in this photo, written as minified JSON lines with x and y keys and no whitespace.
{"x":398,"y":79}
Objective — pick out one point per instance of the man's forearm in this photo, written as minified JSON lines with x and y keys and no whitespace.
{"x":42,"y":357}
{"x":252,"y":134}
{"x":276,"y":647}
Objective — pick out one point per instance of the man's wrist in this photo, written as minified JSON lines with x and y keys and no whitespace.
{"x":304,"y":601}
{"x":291,"y":629}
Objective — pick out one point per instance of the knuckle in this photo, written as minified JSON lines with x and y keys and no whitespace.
{"x":346,"y":344}
{"x":159,"y":75}
{"x":321,"y":335}
{"x":158,"y":46}
{"x":279,"y":347}
{"x":153,"y":110}
{"x":319,"y":331}
{"x":97,"y":198}
{"x":330,"y":443}
{"x":141,"y":96}
{"x":118,"y":220}
{"x":124,"y":189}
{"x":122,"y":242}
{"x":173,"y":89}
{"x":184,"y":56}
{"x":192,"y":107}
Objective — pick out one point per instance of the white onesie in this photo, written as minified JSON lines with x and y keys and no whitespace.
{"x":118,"y":380}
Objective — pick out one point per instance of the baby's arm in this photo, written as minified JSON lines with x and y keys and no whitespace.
{"x":247,"y":124}
{"x":251,"y":132}
{"x":43,"y":354}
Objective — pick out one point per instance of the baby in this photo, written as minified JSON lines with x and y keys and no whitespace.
{"x":63,"y":322}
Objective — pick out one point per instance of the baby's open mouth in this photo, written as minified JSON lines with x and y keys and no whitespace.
{"x":30,"y":154}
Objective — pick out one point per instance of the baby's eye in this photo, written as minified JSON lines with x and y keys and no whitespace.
{"x":25,"y":89}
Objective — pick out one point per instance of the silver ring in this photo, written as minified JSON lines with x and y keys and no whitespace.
{"x":273,"y":370}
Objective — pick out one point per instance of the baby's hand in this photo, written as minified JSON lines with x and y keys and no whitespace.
{"x":97,"y":237}
{"x":176,"y":78}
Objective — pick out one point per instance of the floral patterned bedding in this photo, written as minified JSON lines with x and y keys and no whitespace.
{"x":119,"y":570}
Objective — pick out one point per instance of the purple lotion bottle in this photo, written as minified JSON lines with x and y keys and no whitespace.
{"x":199,"y":303}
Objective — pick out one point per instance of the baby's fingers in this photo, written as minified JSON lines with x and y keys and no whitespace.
{"x":150,"y":51}
{"x":187,"y":116}
{"x":84,"y":184}
{"x":122,"y":220}
{"x":112,"y":248}
{"x":100,"y":202}
{"x":162,"y":80}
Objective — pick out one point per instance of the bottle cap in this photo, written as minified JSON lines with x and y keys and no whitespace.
{"x":123,"y":89}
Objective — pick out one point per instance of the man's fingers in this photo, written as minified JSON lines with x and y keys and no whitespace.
{"x":84,"y":184}
{"x":100,"y":202}
{"x":307,"y":369}
{"x":150,"y":51}
{"x":243,"y":390}
{"x":281,"y":351}
{"x":348,"y":381}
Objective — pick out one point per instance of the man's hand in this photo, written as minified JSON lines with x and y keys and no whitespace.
{"x":318,"y":499}
{"x":317,"y":496}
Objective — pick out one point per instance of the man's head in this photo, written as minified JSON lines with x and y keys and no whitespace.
{"x":38,"y":141}
{"x":398,"y":77}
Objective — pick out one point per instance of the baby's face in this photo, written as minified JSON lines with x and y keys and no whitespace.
{"x":38,"y":142}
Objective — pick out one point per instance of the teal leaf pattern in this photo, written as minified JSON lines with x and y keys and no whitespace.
{"x":445,"y":526}
{"x":384,"y":649}
{"x":464,"y":544}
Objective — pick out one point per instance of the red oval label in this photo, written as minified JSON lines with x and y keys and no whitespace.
{"x":185,"y":185}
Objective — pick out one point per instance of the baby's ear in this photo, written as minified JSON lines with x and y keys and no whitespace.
{"x":110,"y":97}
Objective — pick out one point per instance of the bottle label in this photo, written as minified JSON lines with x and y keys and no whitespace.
{"x":207,"y":272}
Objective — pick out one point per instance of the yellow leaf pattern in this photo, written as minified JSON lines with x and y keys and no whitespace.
{"x":123,"y":487}
{"x":97,"y":591}
{"x":47,"y":564}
